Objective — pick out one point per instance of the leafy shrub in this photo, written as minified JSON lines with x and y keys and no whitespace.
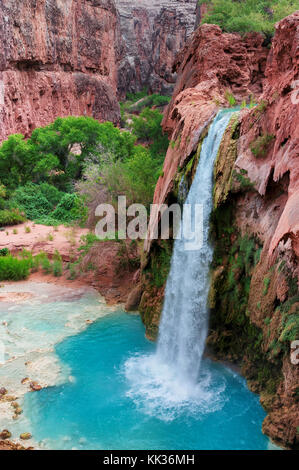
{"x":46,"y":265}
{"x":13,"y":269}
{"x":4,"y":252}
{"x":260,"y":146}
{"x":147,"y":127}
{"x":135,"y":178}
{"x":146,"y":102}
{"x":39,"y":201}
{"x":230,"y":98}
{"x":11,"y":217}
{"x":248,"y":15}
{"x":32,"y":199}
{"x":57,"y":268}
{"x":69,"y":209}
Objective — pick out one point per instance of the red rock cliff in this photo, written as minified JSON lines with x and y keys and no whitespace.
{"x":57,"y":58}
{"x":153,"y":31}
{"x":210,"y":63}
{"x":256,"y":195}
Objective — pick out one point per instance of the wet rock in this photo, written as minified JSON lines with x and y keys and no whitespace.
{"x":134,"y":299}
{"x":35,"y":387}
{"x":25,"y":436}
{"x":5,"y":434}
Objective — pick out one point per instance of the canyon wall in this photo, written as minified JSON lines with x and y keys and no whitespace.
{"x":254,"y":296}
{"x":153,"y":31}
{"x":57,"y":58}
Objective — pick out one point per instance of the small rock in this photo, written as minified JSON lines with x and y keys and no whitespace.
{"x":18,"y":411}
{"x":25,"y":380}
{"x":134,"y":299}
{"x":3,"y":391}
{"x":35,"y":387}
{"x":15,"y":404}
{"x":25,"y":436}
{"x":9,"y":398}
{"x":5,"y":434}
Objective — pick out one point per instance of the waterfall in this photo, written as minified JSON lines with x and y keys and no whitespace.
{"x":184,"y":324}
{"x":172,"y":378}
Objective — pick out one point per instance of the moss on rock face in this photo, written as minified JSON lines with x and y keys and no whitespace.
{"x":223,"y":169}
{"x":154,"y":277}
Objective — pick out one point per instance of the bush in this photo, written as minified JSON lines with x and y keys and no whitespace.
{"x":147,"y":127}
{"x":35,"y":200}
{"x":135,"y":178}
{"x":39,"y":201}
{"x":11,"y":217}
{"x":4,"y":252}
{"x":248,"y":15}
{"x":70,"y":208}
{"x":57,"y":268}
{"x":261,"y":145}
{"x":13,"y":269}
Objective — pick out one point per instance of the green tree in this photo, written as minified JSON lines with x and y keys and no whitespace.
{"x":148,"y":129}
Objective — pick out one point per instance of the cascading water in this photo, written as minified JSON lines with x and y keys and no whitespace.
{"x":183,"y":328}
{"x":173,"y":375}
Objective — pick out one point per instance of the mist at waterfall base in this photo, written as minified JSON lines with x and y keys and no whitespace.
{"x":130,"y":394}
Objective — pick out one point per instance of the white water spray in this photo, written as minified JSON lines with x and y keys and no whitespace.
{"x":172,"y":376}
{"x":184,"y":324}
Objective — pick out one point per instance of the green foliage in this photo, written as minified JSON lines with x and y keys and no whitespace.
{"x":46,"y":265}
{"x":137,"y":96}
{"x":39,"y":204}
{"x":11,"y":217}
{"x":56,"y":153}
{"x":147,"y":101}
{"x":70,"y":208}
{"x":135,"y":178}
{"x":13,"y":269}
{"x":159,"y":267}
{"x":57,"y":268}
{"x":4,"y":252}
{"x":260,"y":146}
{"x":147,"y":128}
{"x":88,"y":241}
{"x":35,"y":200}
{"x":249,"y":15}
{"x":230,"y":98}
{"x":267,"y":282}
{"x":73,"y":271}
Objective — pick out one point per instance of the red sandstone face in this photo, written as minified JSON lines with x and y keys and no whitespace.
{"x":56,"y":59}
{"x":209,"y":64}
{"x":281,"y":119}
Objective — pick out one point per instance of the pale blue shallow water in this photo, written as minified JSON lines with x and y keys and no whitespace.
{"x":100,"y":409}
